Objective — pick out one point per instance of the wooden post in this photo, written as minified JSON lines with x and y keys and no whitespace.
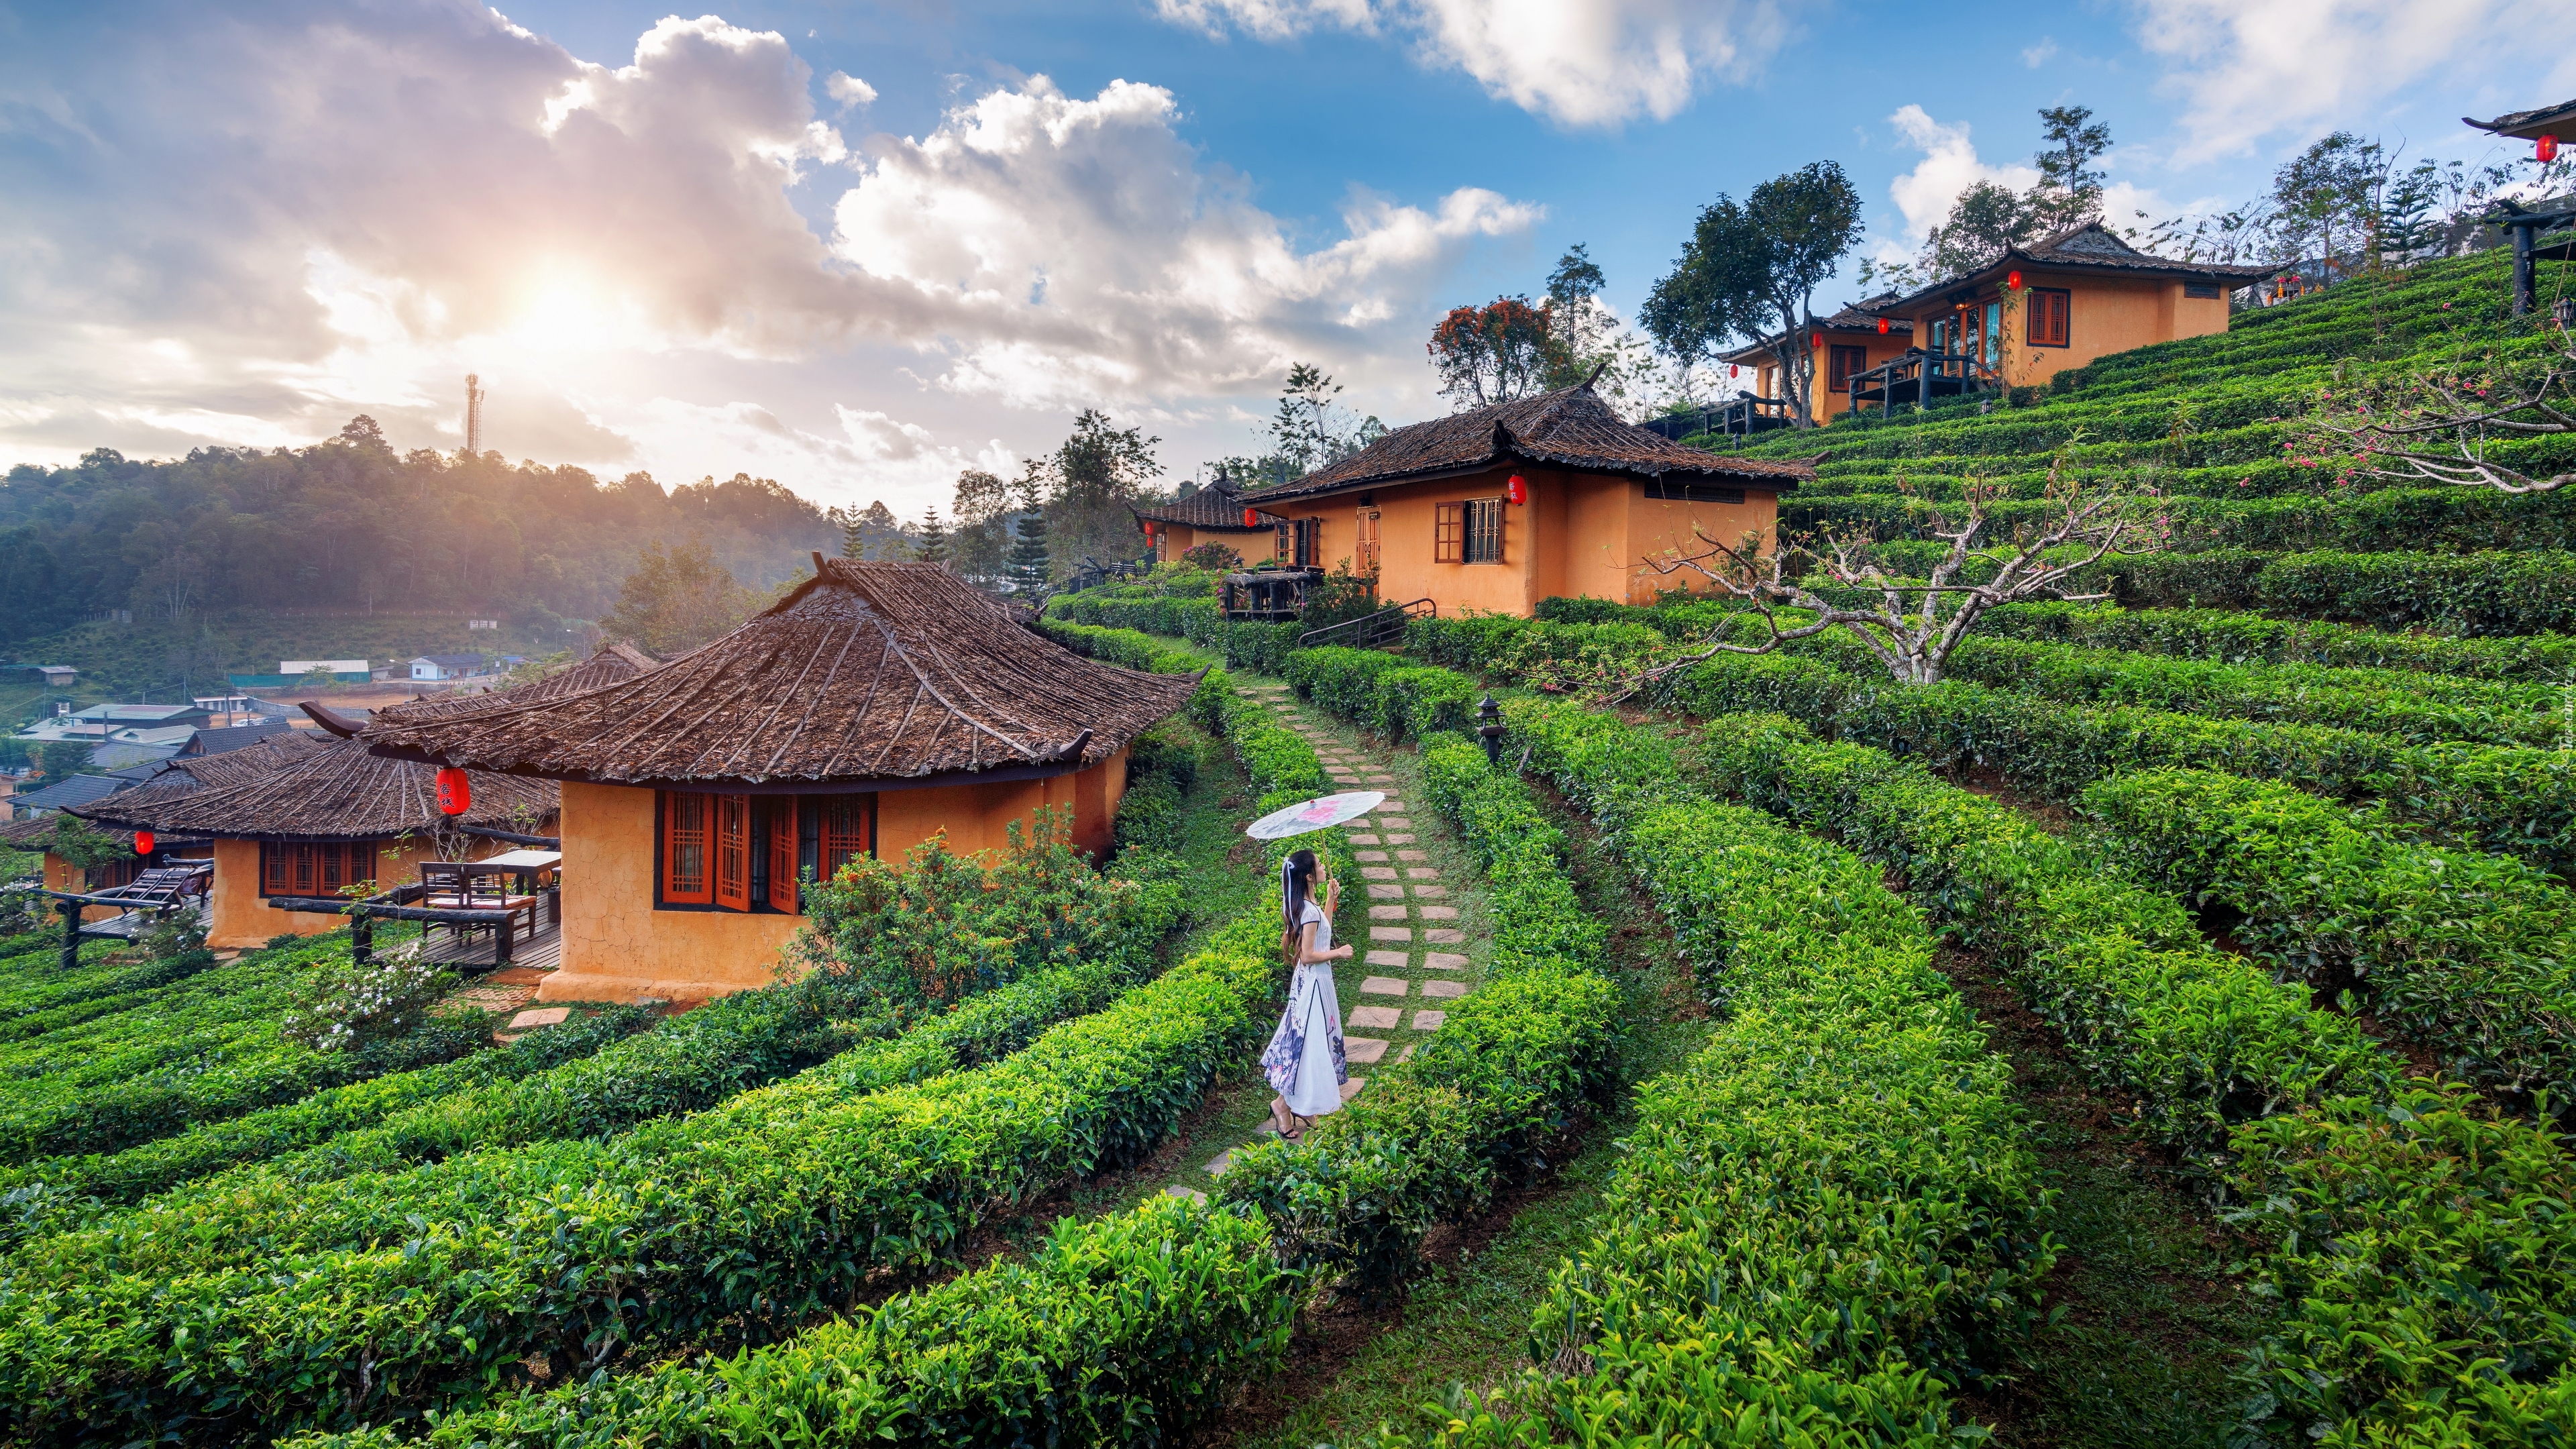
{"x":71,"y":932}
{"x":501,"y":944}
{"x":2524,"y":294}
{"x":362,"y":938}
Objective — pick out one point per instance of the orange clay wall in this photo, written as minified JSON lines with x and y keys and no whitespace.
{"x":243,"y":918}
{"x":2104,"y":315}
{"x":1578,"y":534}
{"x":1831,"y":402}
{"x":617,"y":947}
{"x":62,"y":875}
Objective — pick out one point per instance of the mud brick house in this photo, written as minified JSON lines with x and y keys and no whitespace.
{"x":1846,"y":344}
{"x":163,"y":780}
{"x":1214,"y":514}
{"x":1498,"y":507}
{"x":878,"y":705}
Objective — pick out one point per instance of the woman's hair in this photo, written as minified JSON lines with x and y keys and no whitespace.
{"x":1296,"y":884}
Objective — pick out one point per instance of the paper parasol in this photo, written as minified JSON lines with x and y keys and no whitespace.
{"x":1316,"y":814}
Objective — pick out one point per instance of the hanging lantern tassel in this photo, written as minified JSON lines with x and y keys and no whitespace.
{"x":1517,"y":490}
{"x":455,"y":791}
{"x":143,"y":842}
{"x":2545,"y":150}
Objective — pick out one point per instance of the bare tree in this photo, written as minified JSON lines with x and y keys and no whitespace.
{"x":2437,"y":428}
{"x":1914,"y":626}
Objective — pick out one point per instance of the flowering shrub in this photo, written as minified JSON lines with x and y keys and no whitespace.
{"x":348,"y":1006}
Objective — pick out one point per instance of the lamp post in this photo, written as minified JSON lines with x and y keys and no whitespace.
{"x":1489,"y":728}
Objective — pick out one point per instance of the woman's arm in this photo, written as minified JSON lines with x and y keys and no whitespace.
{"x":1306,"y":955}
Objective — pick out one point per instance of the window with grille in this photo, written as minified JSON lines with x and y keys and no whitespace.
{"x":2206,"y":291}
{"x":1448,"y":532}
{"x":688,"y":820}
{"x":1693,"y":492}
{"x":733,"y":852}
{"x":848,"y":830}
{"x":783,"y":852}
{"x":1484,"y":530}
{"x":1844,"y":362}
{"x":2049,"y":311}
{"x":313,"y":869}
{"x":1364,"y":552}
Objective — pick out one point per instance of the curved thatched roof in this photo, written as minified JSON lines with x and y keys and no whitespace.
{"x":884,"y":673}
{"x":607,"y":665}
{"x":335,"y":791}
{"x":184,"y":775}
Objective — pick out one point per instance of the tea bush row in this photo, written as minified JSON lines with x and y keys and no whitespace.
{"x":2237,"y":637}
{"x":2471,"y":954}
{"x":2492,"y":592}
{"x":1828,"y":1211}
{"x":2411,"y":1237}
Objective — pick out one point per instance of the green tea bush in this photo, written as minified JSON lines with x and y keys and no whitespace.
{"x":1829,"y":1207}
{"x":2471,"y":954}
{"x":1130,"y":1328}
{"x":2491,"y":592}
{"x":2236,"y":637}
{"x":2198,"y":1038}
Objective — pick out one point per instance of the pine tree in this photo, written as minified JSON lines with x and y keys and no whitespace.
{"x":1028,"y":568}
{"x":854,"y":542}
{"x":931,"y":537}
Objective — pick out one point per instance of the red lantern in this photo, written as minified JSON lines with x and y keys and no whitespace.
{"x":143,"y":842}
{"x":1733,"y":371}
{"x":2013,"y":280}
{"x":1882,"y":327}
{"x":1517,"y":490}
{"x":1251,"y":518}
{"x":455,"y":791}
{"x":1815,"y":341}
{"x":2545,"y":150}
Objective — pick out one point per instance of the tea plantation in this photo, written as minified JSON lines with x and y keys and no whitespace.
{"x":2160,"y":1032}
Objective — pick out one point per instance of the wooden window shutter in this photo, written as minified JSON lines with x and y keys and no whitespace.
{"x":849,"y":831}
{"x":1448,"y":532}
{"x":1844,"y":362}
{"x":332,"y":867}
{"x":2050,"y":313}
{"x":686,"y":881}
{"x":272,"y":869}
{"x":782,"y":854}
{"x":733,"y":852}
{"x":306,"y":873}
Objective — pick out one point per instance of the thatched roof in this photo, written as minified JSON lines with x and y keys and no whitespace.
{"x":184,"y":775}
{"x":335,"y":790}
{"x":609,"y":664}
{"x":2090,"y":247}
{"x":1569,"y":428}
{"x":868,"y":675}
{"x":1213,"y":509}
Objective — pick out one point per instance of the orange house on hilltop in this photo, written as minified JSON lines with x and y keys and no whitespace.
{"x":1498,"y":507}
{"x":878,"y":705}
{"x":1850,"y":342}
{"x":1214,"y":514}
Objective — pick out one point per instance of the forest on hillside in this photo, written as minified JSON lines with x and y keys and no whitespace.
{"x":350,"y":525}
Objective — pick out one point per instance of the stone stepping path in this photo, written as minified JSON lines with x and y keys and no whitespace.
{"x":1419,"y":950}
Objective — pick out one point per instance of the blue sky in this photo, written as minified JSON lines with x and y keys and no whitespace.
{"x":858,"y":247}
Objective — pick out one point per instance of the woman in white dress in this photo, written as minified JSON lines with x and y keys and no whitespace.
{"x":1304,"y":1059}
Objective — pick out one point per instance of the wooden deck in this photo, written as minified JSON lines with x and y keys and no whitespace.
{"x":540,"y":952}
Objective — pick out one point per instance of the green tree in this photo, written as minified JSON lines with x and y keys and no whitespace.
{"x":1029,"y":568}
{"x":1494,"y":353}
{"x":2330,"y":191}
{"x":983,"y":508}
{"x":1310,"y":428}
{"x":1750,"y":270}
{"x":677,"y":599}
{"x":2069,"y":192}
{"x":1087,"y":485}
{"x":61,"y":759}
{"x":930,"y":538}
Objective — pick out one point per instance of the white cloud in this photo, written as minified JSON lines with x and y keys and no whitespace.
{"x":849,"y":90}
{"x":243,"y":226}
{"x":2250,"y":69}
{"x":2041,"y":54}
{"x":1949,"y":166}
{"x":1099,"y":261}
{"x":1596,"y":64}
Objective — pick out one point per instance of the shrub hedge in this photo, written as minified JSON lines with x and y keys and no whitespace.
{"x":1125,"y":1329}
{"x":2474,"y":955}
{"x":1829,"y":1209}
{"x":2235,"y":637}
{"x":2491,"y":592}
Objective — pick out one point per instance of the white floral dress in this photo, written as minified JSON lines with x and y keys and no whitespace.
{"x":1304,"y":1060}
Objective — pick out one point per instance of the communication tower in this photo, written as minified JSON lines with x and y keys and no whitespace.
{"x":473,"y":414}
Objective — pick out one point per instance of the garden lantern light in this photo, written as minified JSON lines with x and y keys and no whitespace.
{"x":1489,"y":728}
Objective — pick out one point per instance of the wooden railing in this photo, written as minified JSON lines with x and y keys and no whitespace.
{"x":1368,"y":631}
{"x":1926,"y":374}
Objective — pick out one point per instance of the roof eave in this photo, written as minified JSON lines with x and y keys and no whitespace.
{"x":2155,"y":266}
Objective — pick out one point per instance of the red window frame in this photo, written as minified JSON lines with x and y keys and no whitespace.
{"x":782,"y":855}
{"x":1842,"y":362}
{"x":847,"y":828}
{"x":688,"y":839}
{"x":310,"y":868}
{"x":2051,"y":316}
{"x":733,"y":852}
